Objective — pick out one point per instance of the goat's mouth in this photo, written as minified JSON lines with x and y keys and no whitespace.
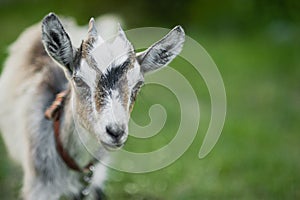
{"x":112,"y":146}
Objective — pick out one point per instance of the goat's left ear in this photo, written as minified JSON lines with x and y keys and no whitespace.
{"x":57,"y":42}
{"x":162,"y":52}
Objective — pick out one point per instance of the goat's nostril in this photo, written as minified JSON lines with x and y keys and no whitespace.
{"x":115,"y":132}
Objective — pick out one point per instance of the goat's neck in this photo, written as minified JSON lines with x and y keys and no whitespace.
{"x":70,"y":138}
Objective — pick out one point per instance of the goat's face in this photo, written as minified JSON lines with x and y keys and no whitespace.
{"x":106,"y":76}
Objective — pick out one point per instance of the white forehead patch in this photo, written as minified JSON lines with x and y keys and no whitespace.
{"x":108,"y":54}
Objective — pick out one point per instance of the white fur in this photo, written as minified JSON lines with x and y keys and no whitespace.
{"x":109,"y":54}
{"x":14,"y":86}
{"x":28,"y":136}
{"x":18,"y":108}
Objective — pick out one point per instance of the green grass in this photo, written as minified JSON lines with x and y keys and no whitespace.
{"x":257,"y":156}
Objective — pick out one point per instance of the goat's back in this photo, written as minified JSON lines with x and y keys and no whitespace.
{"x":29,"y":82}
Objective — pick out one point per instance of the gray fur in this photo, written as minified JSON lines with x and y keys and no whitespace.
{"x":57,"y":42}
{"x":162,"y":52}
{"x":30,"y":82}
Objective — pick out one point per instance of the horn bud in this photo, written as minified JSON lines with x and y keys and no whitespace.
{"x":92,"y":28}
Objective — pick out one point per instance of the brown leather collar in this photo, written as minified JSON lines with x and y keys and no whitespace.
{"x":53,"y":113}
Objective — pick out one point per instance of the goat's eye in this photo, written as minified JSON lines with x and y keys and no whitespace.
{"x":78,"y":81}
{"x":133,"y":96}
{"x":135,"y":90}
{"x":134,"y":93}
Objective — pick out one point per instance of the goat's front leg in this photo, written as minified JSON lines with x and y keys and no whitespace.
{"x":38,"y":179}
{"x":96,"y":187}
{"x":39,"y":191}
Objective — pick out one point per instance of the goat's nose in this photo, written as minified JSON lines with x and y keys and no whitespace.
{"x":115,"y":132}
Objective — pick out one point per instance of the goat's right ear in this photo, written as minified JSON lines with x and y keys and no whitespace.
{"x":57,"y":42}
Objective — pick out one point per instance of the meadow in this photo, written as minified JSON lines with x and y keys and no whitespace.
{"x":257,"y":155}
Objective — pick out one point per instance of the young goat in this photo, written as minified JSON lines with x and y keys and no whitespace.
{"x":97,"y":85}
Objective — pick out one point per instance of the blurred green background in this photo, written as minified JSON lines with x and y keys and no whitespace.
{"x":256,"y":46}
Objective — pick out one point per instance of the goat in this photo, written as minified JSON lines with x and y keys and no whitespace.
{"x":102,"y":79}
